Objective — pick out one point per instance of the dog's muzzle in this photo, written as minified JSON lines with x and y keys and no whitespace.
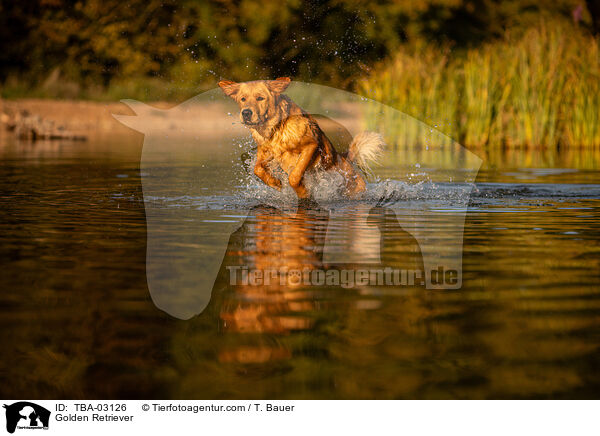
{"x":246,"y":115}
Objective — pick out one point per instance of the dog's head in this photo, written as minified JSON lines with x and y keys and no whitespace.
{"x":257,"y":100}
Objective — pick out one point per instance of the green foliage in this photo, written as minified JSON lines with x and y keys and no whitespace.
{"x":538,"y":88}
{"x":483,"y":71}
{"x":96,"y":48}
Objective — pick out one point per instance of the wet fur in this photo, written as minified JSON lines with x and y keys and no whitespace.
{"x":287,"y":135}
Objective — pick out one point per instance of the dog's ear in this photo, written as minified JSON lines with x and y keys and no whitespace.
{"x":278,"y":85}
{"x":229,"y":88}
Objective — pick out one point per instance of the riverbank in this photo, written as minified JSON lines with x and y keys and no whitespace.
{"x":91,"y":118}
{"x":75,"y":115}
{"x":94,"y":119}
{"x":210,"y":118}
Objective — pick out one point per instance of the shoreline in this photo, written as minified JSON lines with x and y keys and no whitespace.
{"x":80,"y":116}
{"x":91,"y":118}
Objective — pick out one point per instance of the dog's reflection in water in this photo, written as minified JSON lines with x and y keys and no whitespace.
{"x":260,"y":300}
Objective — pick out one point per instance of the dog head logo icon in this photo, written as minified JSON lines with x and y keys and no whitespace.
{"x":26,"y":415}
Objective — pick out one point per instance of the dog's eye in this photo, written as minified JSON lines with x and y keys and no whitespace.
{"x":260,"y":98}
{"x":243,"y":98}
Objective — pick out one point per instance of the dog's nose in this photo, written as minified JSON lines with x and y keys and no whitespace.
{"x":246,"y":114}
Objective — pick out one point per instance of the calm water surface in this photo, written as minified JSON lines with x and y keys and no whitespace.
{"x":77,"y":319}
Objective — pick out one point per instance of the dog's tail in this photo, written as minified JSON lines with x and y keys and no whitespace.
{"x":366,"y":147}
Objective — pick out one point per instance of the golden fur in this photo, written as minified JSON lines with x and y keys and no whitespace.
{"x":287,"y":135}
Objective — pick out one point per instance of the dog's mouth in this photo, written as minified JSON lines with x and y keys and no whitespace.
{"x":249,"y":123}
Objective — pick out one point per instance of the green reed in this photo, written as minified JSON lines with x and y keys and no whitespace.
{"x":539,"y":88}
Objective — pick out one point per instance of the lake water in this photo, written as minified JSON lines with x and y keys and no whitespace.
{"x":78,"y":319}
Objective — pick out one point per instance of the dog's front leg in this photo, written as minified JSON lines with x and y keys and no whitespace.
{"x":264,"y":174}
{"x":262,"y":171}
{"x":296,"y":175}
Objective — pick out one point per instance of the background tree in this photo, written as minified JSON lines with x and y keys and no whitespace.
{"x":97,"y":44}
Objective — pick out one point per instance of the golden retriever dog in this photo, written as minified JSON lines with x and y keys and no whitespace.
{"x":287,"y":135}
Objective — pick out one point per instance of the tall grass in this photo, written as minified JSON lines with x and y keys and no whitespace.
{"x":541,"y":88}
